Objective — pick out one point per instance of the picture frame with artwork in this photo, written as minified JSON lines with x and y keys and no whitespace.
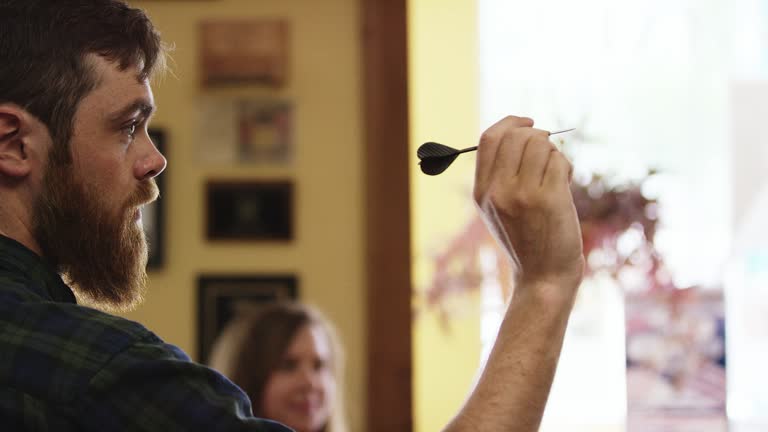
{"x":251,"y":210}
{"x":264,"y":131}
{"x":244,"y":51}
{"x":221,"y":296}
{"x":153,"y":214}
{"x":245,"y":130}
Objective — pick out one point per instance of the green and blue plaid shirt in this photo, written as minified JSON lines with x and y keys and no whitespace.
{"x":65,"y":367}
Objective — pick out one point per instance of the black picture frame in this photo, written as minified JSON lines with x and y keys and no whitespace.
{"x":153,"y":215}
{"x":219,"y":296}
{"x":250,"y":210}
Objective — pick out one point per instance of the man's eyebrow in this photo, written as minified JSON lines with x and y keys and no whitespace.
{"x":142,"y":106}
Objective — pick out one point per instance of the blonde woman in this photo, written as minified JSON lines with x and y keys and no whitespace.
{"x":287,"y":358}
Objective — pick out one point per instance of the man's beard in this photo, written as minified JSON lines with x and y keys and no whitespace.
{"x":102,"y":256}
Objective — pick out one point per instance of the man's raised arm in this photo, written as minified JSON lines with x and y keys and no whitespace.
{"x":522,"y":186}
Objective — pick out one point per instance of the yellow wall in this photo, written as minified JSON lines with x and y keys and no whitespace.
{"x":327,"y":254}
{"x":444,"y":108}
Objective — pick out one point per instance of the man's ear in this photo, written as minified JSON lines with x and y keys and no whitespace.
{"x":14,"y":136}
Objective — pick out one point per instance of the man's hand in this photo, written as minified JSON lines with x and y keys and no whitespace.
{"x":522,"y":187}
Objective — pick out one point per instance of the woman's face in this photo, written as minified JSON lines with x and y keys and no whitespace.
{"x":299,"y":393}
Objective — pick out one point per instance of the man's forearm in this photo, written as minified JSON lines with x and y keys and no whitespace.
{"x":512,"y":391}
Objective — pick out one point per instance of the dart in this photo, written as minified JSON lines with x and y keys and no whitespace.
{"x":436,"y":158}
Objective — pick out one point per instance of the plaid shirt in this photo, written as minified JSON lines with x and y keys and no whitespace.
{"x":65,"y":367}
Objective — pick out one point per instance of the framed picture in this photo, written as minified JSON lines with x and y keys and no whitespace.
{"x":238,"y":130}
{"x":253,"y":210}
{"x":264,"y":131}
{"x":152,"y":215}
{"x":220,"y":297}
{"x":240,"y":51}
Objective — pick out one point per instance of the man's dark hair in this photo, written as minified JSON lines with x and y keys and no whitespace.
{"x":44,"y":48}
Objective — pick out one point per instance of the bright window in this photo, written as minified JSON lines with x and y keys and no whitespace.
{"x":649,"y":85}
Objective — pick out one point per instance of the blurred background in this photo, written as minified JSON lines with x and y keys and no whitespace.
{"x":311,"y":112}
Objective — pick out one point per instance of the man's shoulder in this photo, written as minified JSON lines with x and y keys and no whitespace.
{"x":72,"y":323}
{"x":98,"y":371}
{"x":53,"y":345}
{"x":15,"y":288}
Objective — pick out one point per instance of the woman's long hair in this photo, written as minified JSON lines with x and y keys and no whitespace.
{"x":253,"y":344}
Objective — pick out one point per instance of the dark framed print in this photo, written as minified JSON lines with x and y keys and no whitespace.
{"x":152,"y":215}
{"x":250,"y":210}
{"x":221,"y":296}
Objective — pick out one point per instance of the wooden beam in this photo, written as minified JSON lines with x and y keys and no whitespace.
{"x":384,"y":49}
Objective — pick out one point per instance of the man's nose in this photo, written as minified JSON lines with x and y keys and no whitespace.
{"x":151,"y":164}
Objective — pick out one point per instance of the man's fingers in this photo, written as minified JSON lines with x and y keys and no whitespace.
{"x":488,"y":148}
{"x":534,"y":159}
{"x":559,"y":171}
{"x":509,"y":156}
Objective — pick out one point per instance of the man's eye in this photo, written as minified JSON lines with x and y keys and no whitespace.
{"x":130,"y":130}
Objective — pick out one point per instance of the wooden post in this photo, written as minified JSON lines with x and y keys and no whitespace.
{"x":388,"y":261}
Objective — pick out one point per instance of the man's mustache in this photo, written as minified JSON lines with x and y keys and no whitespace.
{"x":146,"y":193}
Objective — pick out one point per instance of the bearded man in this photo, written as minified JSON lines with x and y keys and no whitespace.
{"x":77,"y":165}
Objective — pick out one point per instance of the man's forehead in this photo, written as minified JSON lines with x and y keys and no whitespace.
{"x":117,"y":88}
{"x":105,"y":69}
